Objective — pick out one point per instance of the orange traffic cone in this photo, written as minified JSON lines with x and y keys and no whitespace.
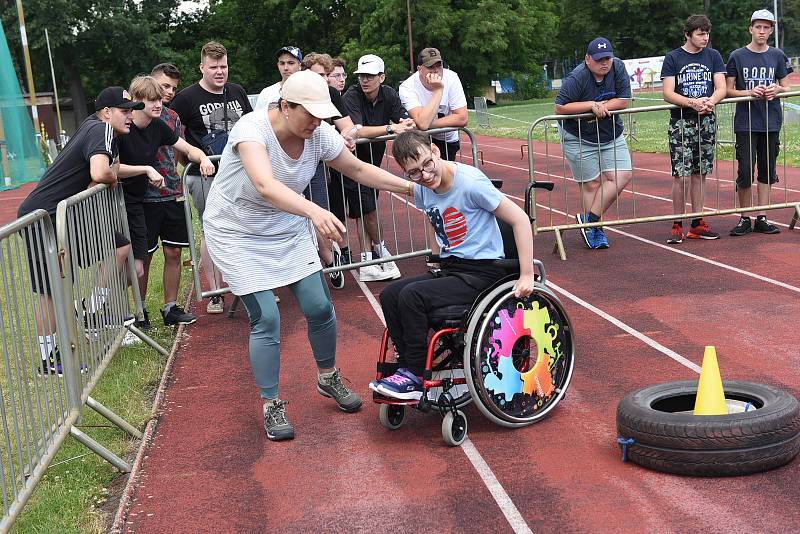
{"x":710,"y":395}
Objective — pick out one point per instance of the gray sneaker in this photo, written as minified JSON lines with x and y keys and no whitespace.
{"x":276,"y":425}
{"x":331,"y":386}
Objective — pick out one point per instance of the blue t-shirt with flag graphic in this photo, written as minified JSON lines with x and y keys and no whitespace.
{"x":694,"y":75}
{"x":463,"y":217}
{"x":752,"y":69}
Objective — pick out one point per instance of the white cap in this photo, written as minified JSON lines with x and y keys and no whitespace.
{"x":369,"y":64}
{"x":763,"y":14}
{"x":310,"y":90}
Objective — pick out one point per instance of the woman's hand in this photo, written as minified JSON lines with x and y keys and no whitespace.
{"x":327,"y":224}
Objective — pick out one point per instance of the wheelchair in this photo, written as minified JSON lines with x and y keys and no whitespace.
{"x":513,"y":356}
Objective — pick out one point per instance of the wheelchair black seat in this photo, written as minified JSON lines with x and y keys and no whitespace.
{"x":448,"y":316}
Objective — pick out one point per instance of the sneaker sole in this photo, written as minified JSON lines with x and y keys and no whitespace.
{"x":345,"y":408}
{"x":674,"y":241}
{"x":768,"y":232}
{"x":181,"y":322}
{"x":411,"y":395}
{"x":739,"y":234}
{"x":214,"y":311}
{"x":375,"y":278}
{"x":707,"y":238}
{"x":280,"y":435}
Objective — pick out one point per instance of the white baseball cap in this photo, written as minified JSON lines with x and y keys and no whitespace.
{"x":310,"y":90}
{"x":763,"y":14}
{"x":369,"y":64}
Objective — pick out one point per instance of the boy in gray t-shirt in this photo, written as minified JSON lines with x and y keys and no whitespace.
{"x":463,"y":207}
{"x":760,"y":71}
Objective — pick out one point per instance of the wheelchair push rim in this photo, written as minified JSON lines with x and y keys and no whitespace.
{"x":519,"y":355}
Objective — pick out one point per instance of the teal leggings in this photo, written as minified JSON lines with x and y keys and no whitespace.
{"x":265,"y":330}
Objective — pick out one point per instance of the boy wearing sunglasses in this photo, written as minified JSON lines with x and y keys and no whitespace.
{"x":462,"y":206}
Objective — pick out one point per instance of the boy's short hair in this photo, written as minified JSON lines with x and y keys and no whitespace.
{"x":146,"y":88}
{"x":339,"y":62}
{"x":696,"y":22}
{"x":213,"y":50}
{"x":408,"y":146}
{"x":318,"y":59}
{"x":168,"y":69}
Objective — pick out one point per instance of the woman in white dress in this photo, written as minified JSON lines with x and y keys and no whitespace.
{"x":259,"y":229}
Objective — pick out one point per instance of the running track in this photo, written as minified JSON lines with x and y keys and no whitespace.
{"x":642,"y":313}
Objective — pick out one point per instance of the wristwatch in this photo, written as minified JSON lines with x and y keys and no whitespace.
{"x":389,"y":129}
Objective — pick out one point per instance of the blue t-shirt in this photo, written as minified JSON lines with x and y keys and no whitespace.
{"x":694,"y":75}
{"x":463,"y":217}
{"x":750,"y":70}
{"x":580,"y":86}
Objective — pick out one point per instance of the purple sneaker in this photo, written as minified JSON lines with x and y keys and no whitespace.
{"x":403,"y":385}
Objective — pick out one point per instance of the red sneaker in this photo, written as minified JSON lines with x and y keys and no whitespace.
{"x":675,"y":235}
{"x":701,"y":231}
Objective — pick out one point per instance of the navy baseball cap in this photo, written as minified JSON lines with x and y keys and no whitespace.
{"x":600,"y":48}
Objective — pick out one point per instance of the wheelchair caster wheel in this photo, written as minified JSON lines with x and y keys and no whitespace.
{"x":454,"y":428}
{"x":392,"y":416}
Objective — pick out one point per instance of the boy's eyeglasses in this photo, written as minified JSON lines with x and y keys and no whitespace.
{"x":367,"y":77}
{"x":416,"y":174}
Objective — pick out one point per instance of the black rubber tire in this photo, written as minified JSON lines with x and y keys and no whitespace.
{"x":725,"y":445}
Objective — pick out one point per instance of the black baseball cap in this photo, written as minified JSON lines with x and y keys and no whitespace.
{"x":292,"y":50}
{"x":116,"y":97}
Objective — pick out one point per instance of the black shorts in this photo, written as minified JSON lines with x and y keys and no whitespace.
{"x":138,"y":229}
{"x":448,"y":150}
{"x":87,"y":253}
{"x":760,"y":150}
{"x":345,"y":193}
{"x":165,"y":220}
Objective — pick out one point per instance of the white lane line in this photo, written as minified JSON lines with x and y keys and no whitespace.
{"x":624,"y":327}
{"x":502,"y":499}
{"x":499,"y":494}
{"x":677,"y":250}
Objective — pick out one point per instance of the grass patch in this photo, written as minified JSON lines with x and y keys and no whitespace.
{"x":650,"y":128}
{"x":71,"y":494}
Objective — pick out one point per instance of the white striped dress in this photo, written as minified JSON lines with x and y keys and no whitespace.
{"x":255,"y":245}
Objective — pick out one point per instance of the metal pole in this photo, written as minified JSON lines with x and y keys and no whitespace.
{"x":28,"y":69}
{"x":410,"y":43}
{"x":6,"y":167}
{"x":55,"y":88}
{"x":775,"y":8}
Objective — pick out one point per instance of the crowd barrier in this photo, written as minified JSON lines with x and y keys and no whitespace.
{"x":394,"y":223}
{"x":563,"y":203}
{"x":63,"y":291}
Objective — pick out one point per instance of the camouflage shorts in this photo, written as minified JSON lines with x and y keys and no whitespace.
{"x":691,"y":147}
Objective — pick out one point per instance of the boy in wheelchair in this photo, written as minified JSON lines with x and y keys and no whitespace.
{"x":463,"y":207}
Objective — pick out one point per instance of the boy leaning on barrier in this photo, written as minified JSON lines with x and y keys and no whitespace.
{"x":376,"y":110}
{"x":595,"y":148}
{"x":694,"y":78}
{"x":90,"y":157}
{"x":463,"y":207}
{"x":137,"y":172}
{"x":760,"y":71}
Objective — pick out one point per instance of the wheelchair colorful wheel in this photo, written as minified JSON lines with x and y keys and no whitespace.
{"x":454,"y":428}
{"x":519,"y":355}
{"x":393,"y":416}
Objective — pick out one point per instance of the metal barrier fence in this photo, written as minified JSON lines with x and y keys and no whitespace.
{"x":394,"y":227}
{"x":64,"y":310}
{"x":630,"y":213}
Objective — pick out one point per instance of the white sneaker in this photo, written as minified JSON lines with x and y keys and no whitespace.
{"x":215,"y":305}
{"x":391,"y":270}
{"x":373,"y":273}
{"x":130,"y":339}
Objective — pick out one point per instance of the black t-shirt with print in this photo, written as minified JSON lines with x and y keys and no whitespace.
{"x":139,"y":147}
{"x":694,"y":75}
{"x":750,"y":70}
{"x":70,"y":172}
{"x":201,"y":111}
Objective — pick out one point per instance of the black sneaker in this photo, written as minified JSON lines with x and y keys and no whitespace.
{"x":177,"y":315}
{"x":763,"y":226}
{"x":347,"y":258}
{"x":276,"y":425}
{"x":143,"y":324}
{"x":744,"y":227}
{"x":52,"y":365}
{"x":337,"y":277}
